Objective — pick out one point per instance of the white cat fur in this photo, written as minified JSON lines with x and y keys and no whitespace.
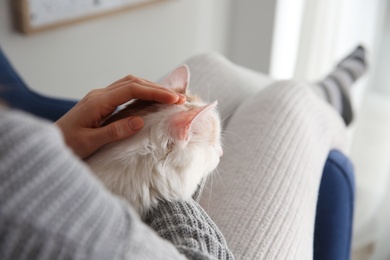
{"x":159,"y":162}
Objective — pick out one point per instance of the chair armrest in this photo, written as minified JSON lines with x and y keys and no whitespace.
{"x":16,"y":94}
{"x":334,"y":219}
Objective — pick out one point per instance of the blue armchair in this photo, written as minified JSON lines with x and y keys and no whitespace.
{"x":17,"y":95}
{"x":333,"y":225}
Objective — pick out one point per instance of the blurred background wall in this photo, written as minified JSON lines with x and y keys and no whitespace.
{"x":284,"y":39}
{"x":146,"y":42}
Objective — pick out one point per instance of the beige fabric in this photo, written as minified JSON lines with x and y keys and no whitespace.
{"x":213,"y":77}
{"x":264,"y":195}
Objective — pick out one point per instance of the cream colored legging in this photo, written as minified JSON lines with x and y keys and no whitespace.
{"x":277,"y":136}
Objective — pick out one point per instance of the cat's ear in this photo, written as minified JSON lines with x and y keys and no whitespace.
{"x":182,"y":122}
{"x":178,"y":79}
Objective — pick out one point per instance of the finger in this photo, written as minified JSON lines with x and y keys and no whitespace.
{"x":126,"y":78}
{"x":125,"y":93}
{"x":133,"y":79}
{"x":117,"y":130}
{"x":139,"y":82}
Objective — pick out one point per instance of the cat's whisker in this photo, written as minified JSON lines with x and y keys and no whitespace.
{"x":208,"y":93}
{"x":218,"y":173}
{"x":211,"y":189}
{"x":224,"y":133}
{"x":227,"y":117}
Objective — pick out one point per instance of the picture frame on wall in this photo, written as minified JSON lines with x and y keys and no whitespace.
{"x":32,"y":16}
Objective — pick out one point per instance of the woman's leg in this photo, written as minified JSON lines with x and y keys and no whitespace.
{"x":264,"y":197}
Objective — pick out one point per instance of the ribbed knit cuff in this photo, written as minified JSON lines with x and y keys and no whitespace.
{"x":190,"y":229}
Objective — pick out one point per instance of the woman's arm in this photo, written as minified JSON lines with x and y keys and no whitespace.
{"x":81,"y":125}
{"x":52,"y":207}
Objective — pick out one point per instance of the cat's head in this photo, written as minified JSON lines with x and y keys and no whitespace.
{"x":187,"y":134}
{"x":169,"y":156}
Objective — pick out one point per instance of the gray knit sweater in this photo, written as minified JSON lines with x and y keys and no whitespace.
{"x":51,"y":207}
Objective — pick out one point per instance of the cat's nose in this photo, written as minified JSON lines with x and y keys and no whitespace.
{"x":220,"y":151}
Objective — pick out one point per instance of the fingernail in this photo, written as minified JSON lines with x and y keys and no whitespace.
{"x":136,"y":123}
{"x":183,"y":97}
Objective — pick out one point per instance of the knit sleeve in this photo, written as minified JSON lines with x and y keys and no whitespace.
{"x":190,"y":229}
{"x":52,"y":207}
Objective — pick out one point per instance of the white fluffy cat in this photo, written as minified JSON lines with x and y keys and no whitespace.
{"x":167,"y":159}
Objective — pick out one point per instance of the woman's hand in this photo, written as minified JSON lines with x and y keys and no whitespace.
{"x":81,"y":125}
